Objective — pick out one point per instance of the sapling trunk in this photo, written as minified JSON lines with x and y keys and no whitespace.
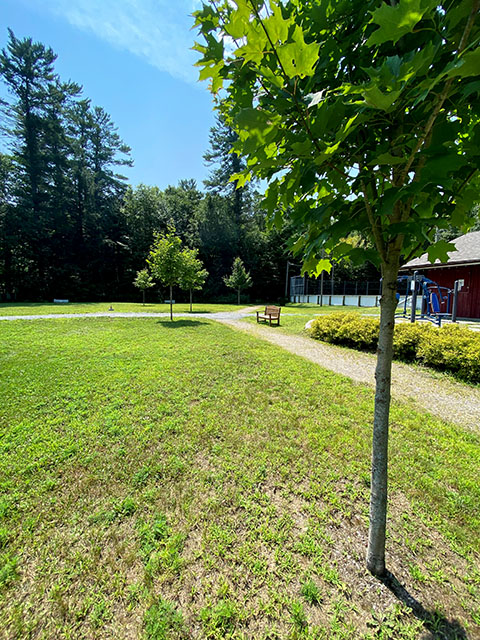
{"x":238,"y":296}
{"x":190,"y":301}
{"x":383,"y":374}
{"x":143,"y":297}
{"x":171,"y":303}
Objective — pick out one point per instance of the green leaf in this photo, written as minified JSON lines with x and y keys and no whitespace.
{"x":277,"y":26}
{"x":238,"y":23}
{"x":256,"y":45}
{"x":255,"y":123}
{"x":467,"y":65}
{"x":314,"y":267}
{"x":397,"y":20}
{"x":378,"y":100}
{"x":297,"y":57}
{"x":458,"y":13}
{"x":240,"y":178}
{"x":387,"y":158}
{"x":440,"y":250}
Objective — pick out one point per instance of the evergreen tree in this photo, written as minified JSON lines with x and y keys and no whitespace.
{"x":180,"y":206}
{"x":217,"y":238}
{"x":9,"y":240}
{"x":226,"y":164}
{"x":239,"y":279}
{"x":27,"y":69}
{"x":144,"y":214}
{"x":64,"y":210}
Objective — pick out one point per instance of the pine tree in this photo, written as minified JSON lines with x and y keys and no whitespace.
{"x":27,"y":69}
{"x":66,"y":201}
{"x":239,"y":279}
{"x":226,"y":164}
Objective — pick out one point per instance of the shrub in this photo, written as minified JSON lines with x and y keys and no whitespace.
{"x":407,"y":337}
{"x":348,"y":329}
{"x":451,"y":348}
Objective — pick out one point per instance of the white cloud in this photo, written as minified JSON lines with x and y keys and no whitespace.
{"x":156,"y":30}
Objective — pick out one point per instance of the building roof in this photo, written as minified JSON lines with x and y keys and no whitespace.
{"x":467,"y":252}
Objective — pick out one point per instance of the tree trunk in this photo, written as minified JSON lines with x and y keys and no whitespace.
{"x":238,"y":297}
{"x":143,"y":297}
{"x":171,"y":303}
{"x":190,"y":301}
{"x":379,"y":481}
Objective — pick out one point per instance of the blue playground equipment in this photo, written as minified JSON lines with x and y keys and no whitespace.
{"x":438,"y":303}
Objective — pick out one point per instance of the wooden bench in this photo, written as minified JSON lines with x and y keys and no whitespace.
{"x":271,"y":314}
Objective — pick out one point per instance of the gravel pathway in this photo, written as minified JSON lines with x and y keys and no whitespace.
{"x":452,"y":401}
{"x":241,"y":313}
{"x":447,"y":399}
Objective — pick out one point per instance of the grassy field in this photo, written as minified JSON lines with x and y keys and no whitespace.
{"x":40,"y":308}
{"x":183,"y":480}
{"x":294,"y":316}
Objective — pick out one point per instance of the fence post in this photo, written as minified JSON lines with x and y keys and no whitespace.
{"x":455,"y":301}
{"x":413,"y":310}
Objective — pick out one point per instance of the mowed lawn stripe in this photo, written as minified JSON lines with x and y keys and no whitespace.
{"x":189,"y":478}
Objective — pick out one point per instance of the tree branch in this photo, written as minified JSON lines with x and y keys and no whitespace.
{"x":298,"y":106}
{"x":443,"y":95}
{"x":376,"y":229}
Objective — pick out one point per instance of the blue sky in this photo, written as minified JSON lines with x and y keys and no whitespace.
{"x":133,"y":59}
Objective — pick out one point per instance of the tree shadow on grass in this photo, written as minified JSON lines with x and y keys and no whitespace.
{"x":436,"y":623}
{"x":179,"y":323}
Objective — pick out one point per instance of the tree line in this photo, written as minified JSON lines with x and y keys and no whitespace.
{"x":71,"y":226}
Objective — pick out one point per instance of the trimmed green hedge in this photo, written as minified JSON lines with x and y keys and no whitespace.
{"x":451,"y":348}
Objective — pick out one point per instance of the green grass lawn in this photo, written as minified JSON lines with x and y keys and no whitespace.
{"x":183,"y":480}
{"x":294,"y":316}
{"x":40,"y":308}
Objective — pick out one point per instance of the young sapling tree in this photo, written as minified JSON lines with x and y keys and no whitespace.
{"x":364,"y":118}
{"x":193,"y":275}
{"x":143,"y":281}
{"x":239,"y":279}
{"x":166,"y":261}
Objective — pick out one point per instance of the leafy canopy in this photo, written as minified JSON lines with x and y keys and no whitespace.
{"x":165,"y":258}
{"x":362,"y":115}
{"x":143,"y":280}
{"x":193,"y":274}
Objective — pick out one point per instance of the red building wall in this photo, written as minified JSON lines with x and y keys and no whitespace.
{"x":469,"y":296}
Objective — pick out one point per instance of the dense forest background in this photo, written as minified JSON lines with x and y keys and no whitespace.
{"x":70,"y":225}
